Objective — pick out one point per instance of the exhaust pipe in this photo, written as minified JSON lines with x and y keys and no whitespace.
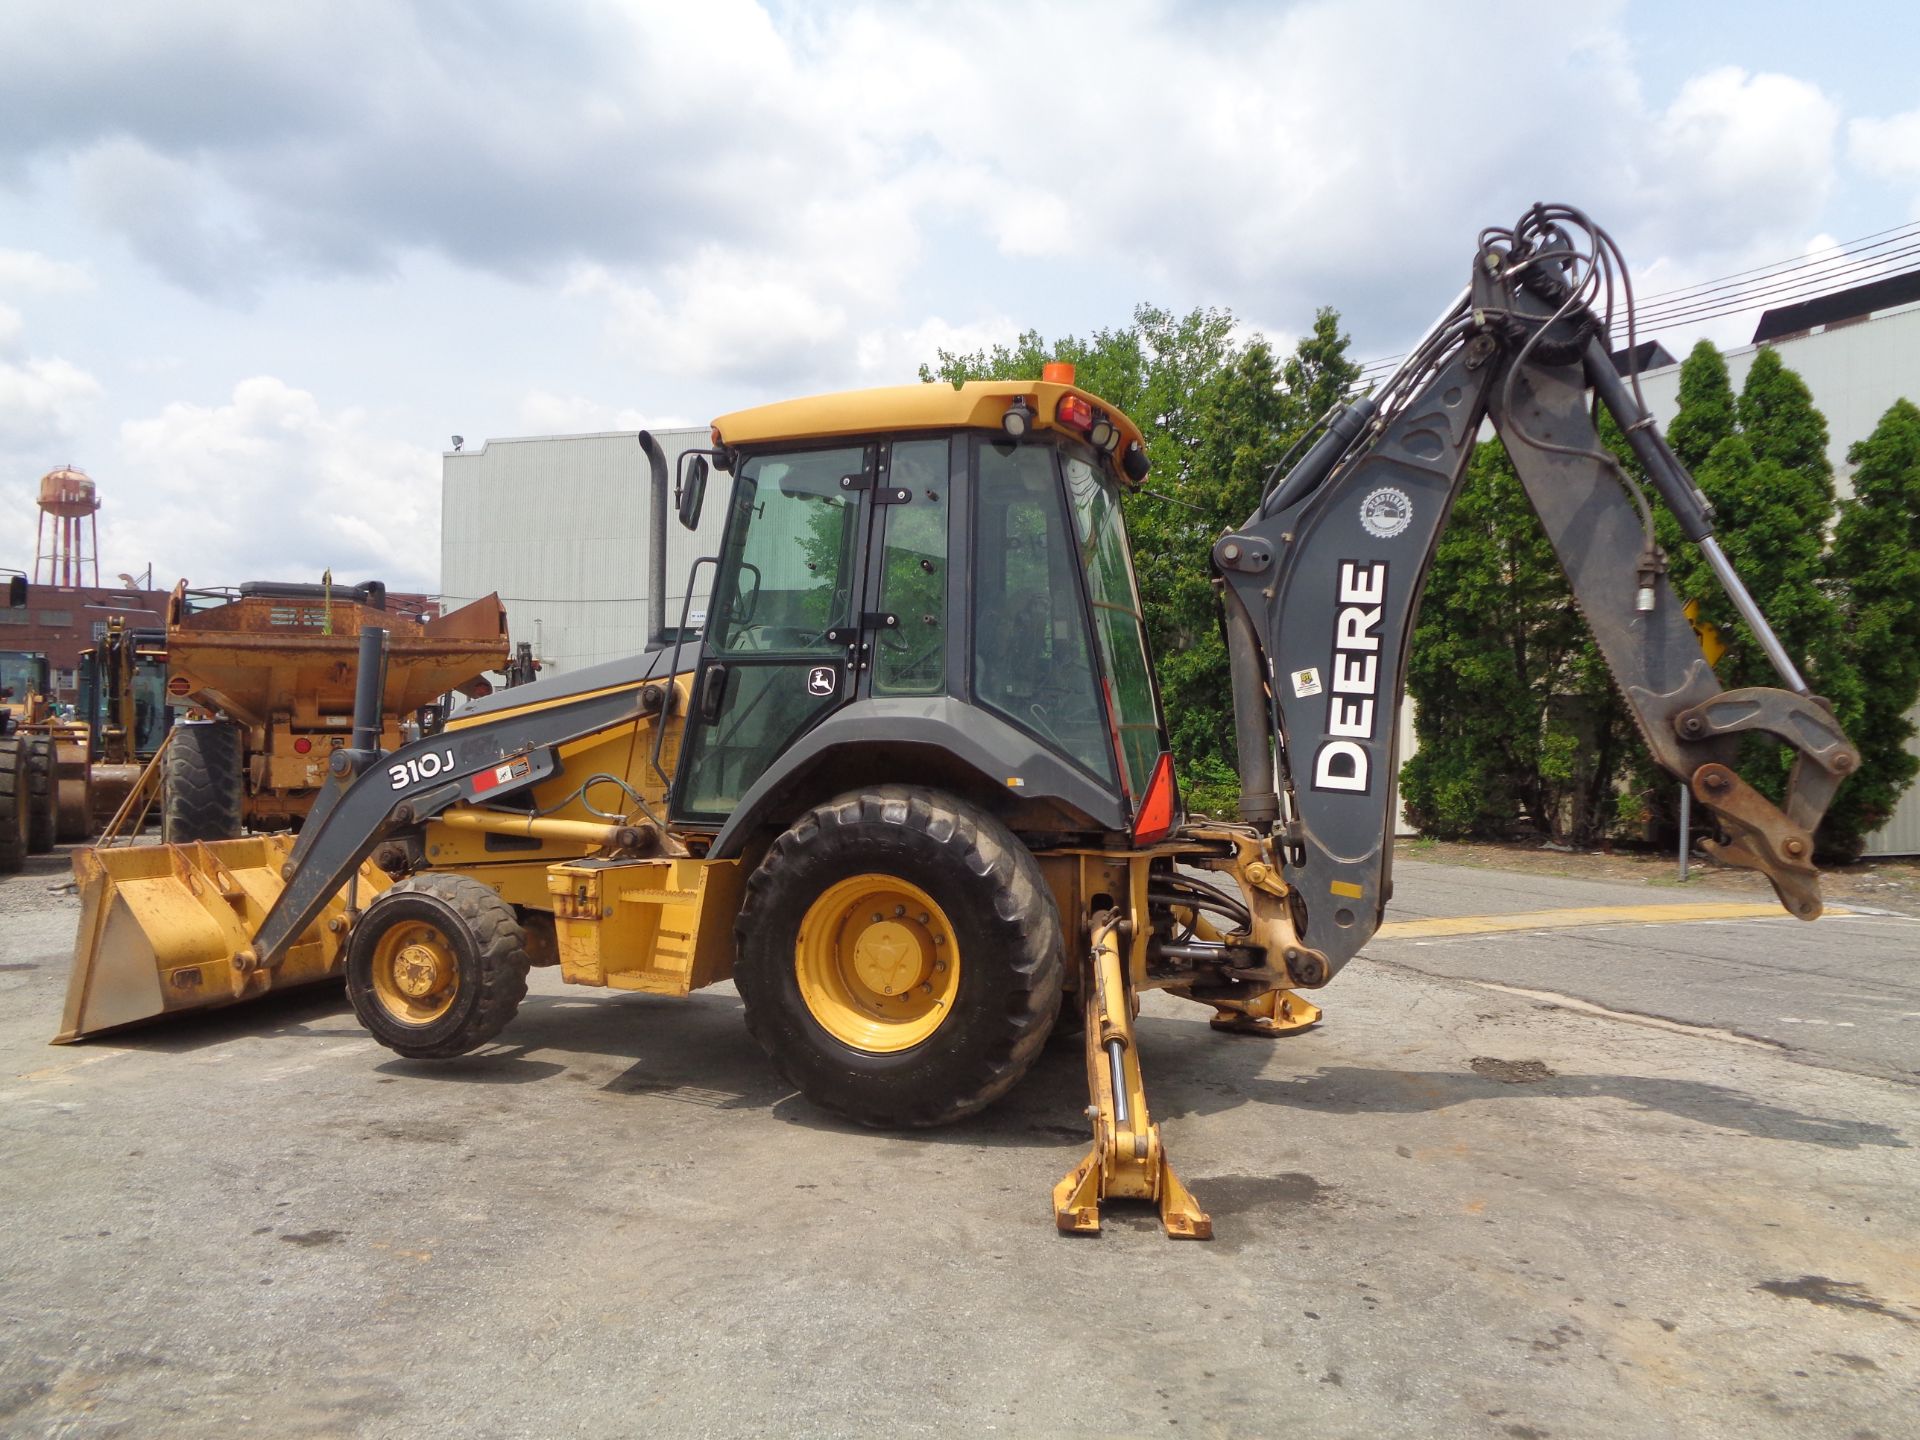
{"x":656,"y":542}
{"x":369,"y":690}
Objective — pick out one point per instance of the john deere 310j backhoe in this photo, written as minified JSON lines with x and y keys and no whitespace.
{"x":912,"y":785}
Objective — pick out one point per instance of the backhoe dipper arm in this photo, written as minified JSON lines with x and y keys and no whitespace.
{"x":1321,"y":586}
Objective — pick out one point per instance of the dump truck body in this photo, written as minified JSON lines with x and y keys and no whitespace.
{"x":277,"y":661}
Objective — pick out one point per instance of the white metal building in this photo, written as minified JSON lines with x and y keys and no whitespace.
{"x":1857,"y":358}
{"x":557,"y":525}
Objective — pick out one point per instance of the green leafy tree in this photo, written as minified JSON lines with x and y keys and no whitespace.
{"x":1705,"y":414}
{"x":1875,"y":559}
{"x":1767,"y":476}
{"x":1518,"y":725}
{"x":1778,"y":419}
{"x":1771,"y":487}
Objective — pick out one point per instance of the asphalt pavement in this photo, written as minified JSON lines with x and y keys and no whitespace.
{"x":1522,"y":1182}
{"x":1842,"y":991}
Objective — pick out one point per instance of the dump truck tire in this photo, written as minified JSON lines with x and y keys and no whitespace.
{"x":900,"y":957}
{"x":16,"y":805}
{"x":202,"y":798}
{"x":437,"y":966}
{"x":40,"y":792}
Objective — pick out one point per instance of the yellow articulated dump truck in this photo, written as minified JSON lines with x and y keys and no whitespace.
{"x":911,"y":791}
{"x":265,"y":677}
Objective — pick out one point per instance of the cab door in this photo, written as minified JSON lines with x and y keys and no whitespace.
{"x":785,"y":626}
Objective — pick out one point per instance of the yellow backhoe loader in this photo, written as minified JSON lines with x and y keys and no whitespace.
{"x":911,"y":786}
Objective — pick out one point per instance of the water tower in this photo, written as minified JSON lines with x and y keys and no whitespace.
{"x":67,"y":497}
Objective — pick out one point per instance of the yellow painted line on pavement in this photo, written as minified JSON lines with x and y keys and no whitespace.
{"x":1576,"y":918}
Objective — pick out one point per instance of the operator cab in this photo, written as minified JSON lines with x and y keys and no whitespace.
{"x":932,"y":570}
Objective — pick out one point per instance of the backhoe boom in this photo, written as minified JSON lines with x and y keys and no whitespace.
{"x":1321,"y":586}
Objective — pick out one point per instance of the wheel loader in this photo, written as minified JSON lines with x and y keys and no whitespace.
{"x":34,"y":745}
{"x":910,"y":790}
{"x":80,"y":769}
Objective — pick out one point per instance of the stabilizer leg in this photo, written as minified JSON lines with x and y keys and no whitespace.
{"x":1276,"y":1013}
{"x":1127,"y":1160}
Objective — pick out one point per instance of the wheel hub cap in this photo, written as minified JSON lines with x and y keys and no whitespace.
{"x":878,"y":963}
{"x":417,"y":972}
{"x":888,"y":957}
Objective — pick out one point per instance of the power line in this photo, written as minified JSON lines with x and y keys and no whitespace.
{"x":1812,"y":276}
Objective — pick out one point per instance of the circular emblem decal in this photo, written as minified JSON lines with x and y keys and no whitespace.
{"x":1386,"y":512}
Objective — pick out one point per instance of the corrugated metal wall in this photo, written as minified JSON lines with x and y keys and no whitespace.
{"x":557,"y":525}
{"x":1855,"y":372}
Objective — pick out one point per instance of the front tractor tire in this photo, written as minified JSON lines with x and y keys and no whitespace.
{"x":16,"y":805}
{"x":202,"y":797}
{"x":437,"y":966}
{"x":900,"y":957}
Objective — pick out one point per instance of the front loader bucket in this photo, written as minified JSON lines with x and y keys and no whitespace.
{"x":160,"y":925}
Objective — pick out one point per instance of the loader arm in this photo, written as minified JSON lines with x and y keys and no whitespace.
{"x":369,"y":796}
{"x":1322,"y":583}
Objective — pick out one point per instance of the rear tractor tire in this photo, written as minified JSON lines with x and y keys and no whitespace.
{"x":16,"y":805}
{"x":900,"y":957}
{"x":40,"y":792}
{"x":437,"y":966}
{"x":202,"y":798}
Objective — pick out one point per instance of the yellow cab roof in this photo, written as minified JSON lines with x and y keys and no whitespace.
{"x":978,"y":405}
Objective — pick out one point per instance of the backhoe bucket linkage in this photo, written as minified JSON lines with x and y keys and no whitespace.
{"x":1127,"y":1160}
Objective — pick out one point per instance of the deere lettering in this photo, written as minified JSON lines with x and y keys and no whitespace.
{"x":1353,"y":692}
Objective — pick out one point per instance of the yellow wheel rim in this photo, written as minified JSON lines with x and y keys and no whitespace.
{"x":415,"y":972}
{"x":877,"y":962}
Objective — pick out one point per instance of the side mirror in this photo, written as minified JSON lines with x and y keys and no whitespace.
{"x":692,"y":489}
{"x":16,"y":592}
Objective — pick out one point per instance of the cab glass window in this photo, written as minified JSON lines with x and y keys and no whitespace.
{"x":912,"y":659}
{"x":791,"y":559}
{"x":1118,"y":623}
{"x":1031,"y":658}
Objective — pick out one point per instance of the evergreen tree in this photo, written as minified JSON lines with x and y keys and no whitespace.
{"x":1706,"y":406}
{"x":1876,"y":558}
{"x":1777,"y":417}
{"x":1771,"y":488}
{"x":1519,"y":728}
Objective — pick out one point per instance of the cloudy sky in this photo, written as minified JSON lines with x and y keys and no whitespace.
{"x":259,"y":261}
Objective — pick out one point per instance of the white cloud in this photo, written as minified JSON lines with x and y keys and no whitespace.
{"x":754,"y":215}
{"x":174,"y":213}
{"x":1736,"y":155}
{"x":1889,"y":148}
{"x":42,"y":403}
{"x":274,"y":485}
{"x":29,"y":270}
{"x":544,"y":413}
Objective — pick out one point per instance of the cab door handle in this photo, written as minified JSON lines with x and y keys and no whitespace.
{"x":713,"y":693}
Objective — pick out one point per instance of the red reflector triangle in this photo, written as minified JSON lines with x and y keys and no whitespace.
{"x":1155,"y":819}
